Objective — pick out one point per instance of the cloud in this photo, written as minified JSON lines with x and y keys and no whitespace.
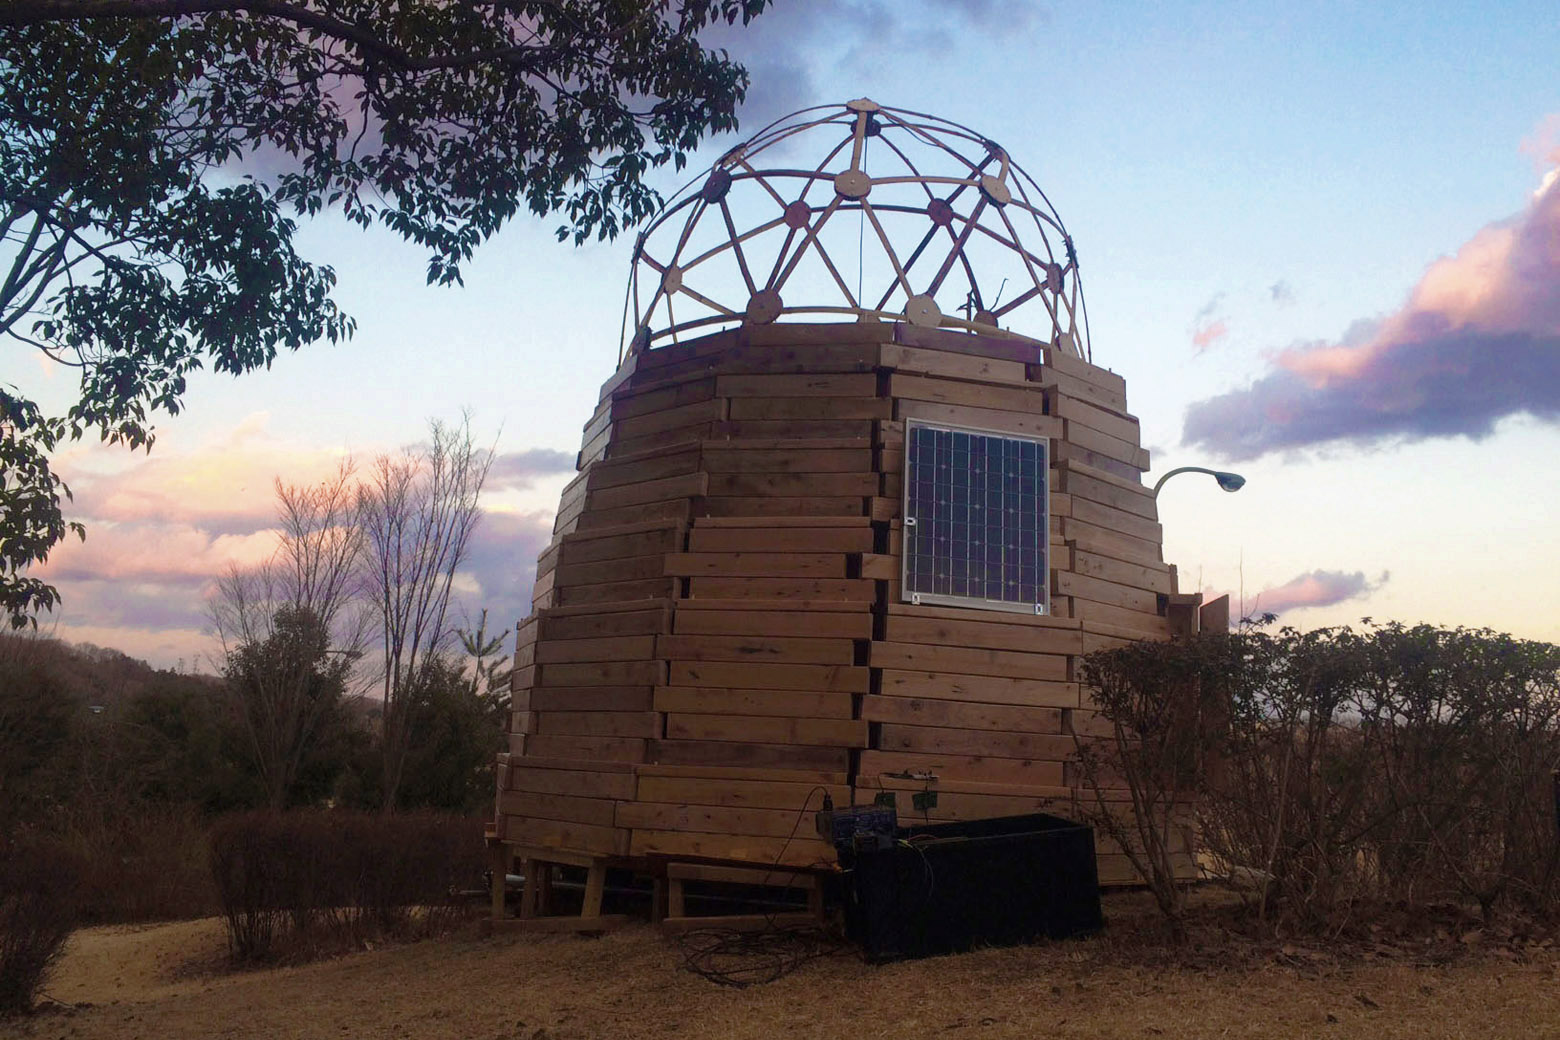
{"x":520,"y":470}
{"x":1207,"y":327}
{"x":162,"y":528}
{"x":1281,"y":293}
{"x":1478,"y":340}
{"x":1316,"y":589}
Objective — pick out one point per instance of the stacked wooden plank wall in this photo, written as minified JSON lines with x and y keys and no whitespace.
{"x":717,"y":637}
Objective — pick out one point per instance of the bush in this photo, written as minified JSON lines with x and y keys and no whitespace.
{"x":37,"y":913}
{"x":1334,"y":771}
{"x":292,"y":884}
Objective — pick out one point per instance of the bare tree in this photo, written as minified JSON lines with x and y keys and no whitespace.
{"x":417,"y":511}
{"x":294,"y":629}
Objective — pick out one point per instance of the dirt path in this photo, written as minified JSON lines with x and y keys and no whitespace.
{"x":158,"y":982}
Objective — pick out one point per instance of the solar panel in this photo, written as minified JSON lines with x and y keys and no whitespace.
{"x":976,"y":522}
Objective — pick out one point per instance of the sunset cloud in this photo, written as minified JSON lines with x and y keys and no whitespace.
{"x":1208,"y":327}
{"x":1315,"y":589}
{"x":161,"y":530}
{"x":1478,"y":340}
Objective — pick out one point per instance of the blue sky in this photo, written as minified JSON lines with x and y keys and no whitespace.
{"x":1254,"y":180}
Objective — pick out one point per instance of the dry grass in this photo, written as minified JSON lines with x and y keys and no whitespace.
{"x":165,"y":981}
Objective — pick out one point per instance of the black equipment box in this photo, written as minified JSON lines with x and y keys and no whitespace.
{"x":949,"y":887}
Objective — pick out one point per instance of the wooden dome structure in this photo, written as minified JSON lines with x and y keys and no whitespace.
{"x":842,"y":557}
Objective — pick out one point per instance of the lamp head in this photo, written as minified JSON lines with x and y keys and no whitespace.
{"x":1230,"y":481}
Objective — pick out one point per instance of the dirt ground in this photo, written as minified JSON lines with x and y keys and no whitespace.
{"x":170,"y":981}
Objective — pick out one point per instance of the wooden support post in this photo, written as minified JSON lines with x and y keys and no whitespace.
{"x":658,"y":897}
{"x":674,"y":898}
{"x":595,"y":885}
{"x":531,"y":868}
{"x":500,"y":867}
{"x":544,"y":888}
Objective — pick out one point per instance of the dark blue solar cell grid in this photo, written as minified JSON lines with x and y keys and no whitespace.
{"x":978,"y":502}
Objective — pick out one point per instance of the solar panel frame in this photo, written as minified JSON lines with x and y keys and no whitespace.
{"x":989,"y":548}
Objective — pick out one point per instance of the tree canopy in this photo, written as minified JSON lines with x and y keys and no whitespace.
{"x":155,"y":154}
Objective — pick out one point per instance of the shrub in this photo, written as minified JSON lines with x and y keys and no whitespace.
{"x":37,"y":913}
{"x":292,"y":883}
{"x":1336,"y":770}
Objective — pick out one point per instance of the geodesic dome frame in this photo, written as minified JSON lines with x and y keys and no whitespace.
{"x":950,"y":220}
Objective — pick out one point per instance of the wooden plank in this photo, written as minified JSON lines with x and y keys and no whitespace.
{"x":1122,"y":427}
{"x":597,"y":811}
{"x":1024,"y":400}
{"x":645,"y":621}
{"x":604,"y":673}
{"x":689,"y":485}
{"x":756,"y":565}
{"x":985,"y":617}
{"x":1082,"y":389}
{"x":589,"y":749}
{"x":842,"y":590}
{"x":780,"y":539}
{"x":816,"y":678}
{"x":709,"y":819}
{"x":782,"y":336}
{"x":575,"y":764}
{"x":1009,"y":348}
{"x":1056,"y":747}
{"x":1104,"y":568}
{"x":1023,"y":772}
{"x":788,"y":460}
{"x":793,"y":408}
{"x":794,"y":703}
{"x":816,"y":432}
{"x":640,"y":468}
{"x":777,"y":507}
{"x":789,"y":608}
{"x":972,"y":661}
{"x":673,"y":438}
{"x":810,"y":385}
{"x":1103,"y":542}
{"x":634,"y":401}
{"x":712,"y":410}
{"x":952,"y":365}
{"x":801,"y":851}
{"x":759,"y":729}
{"x":577,"y":782}
{"x":1115,"y":520}
{"x":617,"y":593}
{"x":697,"y":772}
{"x":635,"y":568}
{"x":770,"y":522}
{"x":672,"y":509}
{"x":1023,"y":423}
{"x":613,"y":648}
{"x":599,"y":723}
{"x":1137,"y":501}
{"x":794,"y":485}
{"x":1081,"y":586}
{"x":782,"y":650}
{"x":565,"y":835}
{"x":1081,"y":369}
{"x":655,"y":536}
{"x":1152,"y":626}
{"x":749,"y":794}
{"x":594,"y":611}
{"x":1090,"y":439}
{"x":979,"y":633}
{"x":1062,"y":451}
{"x":979,"y":688}
{"x":921,"y":711}
{"x":593,"y":698}
{"x":733,"y":754}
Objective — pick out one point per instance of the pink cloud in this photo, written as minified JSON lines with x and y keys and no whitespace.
{"x":1315,"y":589}
{"x":1477,"y":340}
{"x":1207,"y":335}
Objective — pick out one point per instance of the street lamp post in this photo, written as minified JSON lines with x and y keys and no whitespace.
{"x":1228,"y":481}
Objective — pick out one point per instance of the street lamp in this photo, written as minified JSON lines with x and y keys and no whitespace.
{"x":1227,"y":481}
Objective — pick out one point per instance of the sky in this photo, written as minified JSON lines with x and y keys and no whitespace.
{"x":1320,"y":241}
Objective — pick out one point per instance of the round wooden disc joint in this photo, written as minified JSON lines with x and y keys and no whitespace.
{"x":764,"y":307}
{"x":852,"y":184}
{"x":798,"y":215}
{"x":922,"y":310}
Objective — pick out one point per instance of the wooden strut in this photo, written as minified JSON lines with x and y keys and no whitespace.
{"x":534,"y":912}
